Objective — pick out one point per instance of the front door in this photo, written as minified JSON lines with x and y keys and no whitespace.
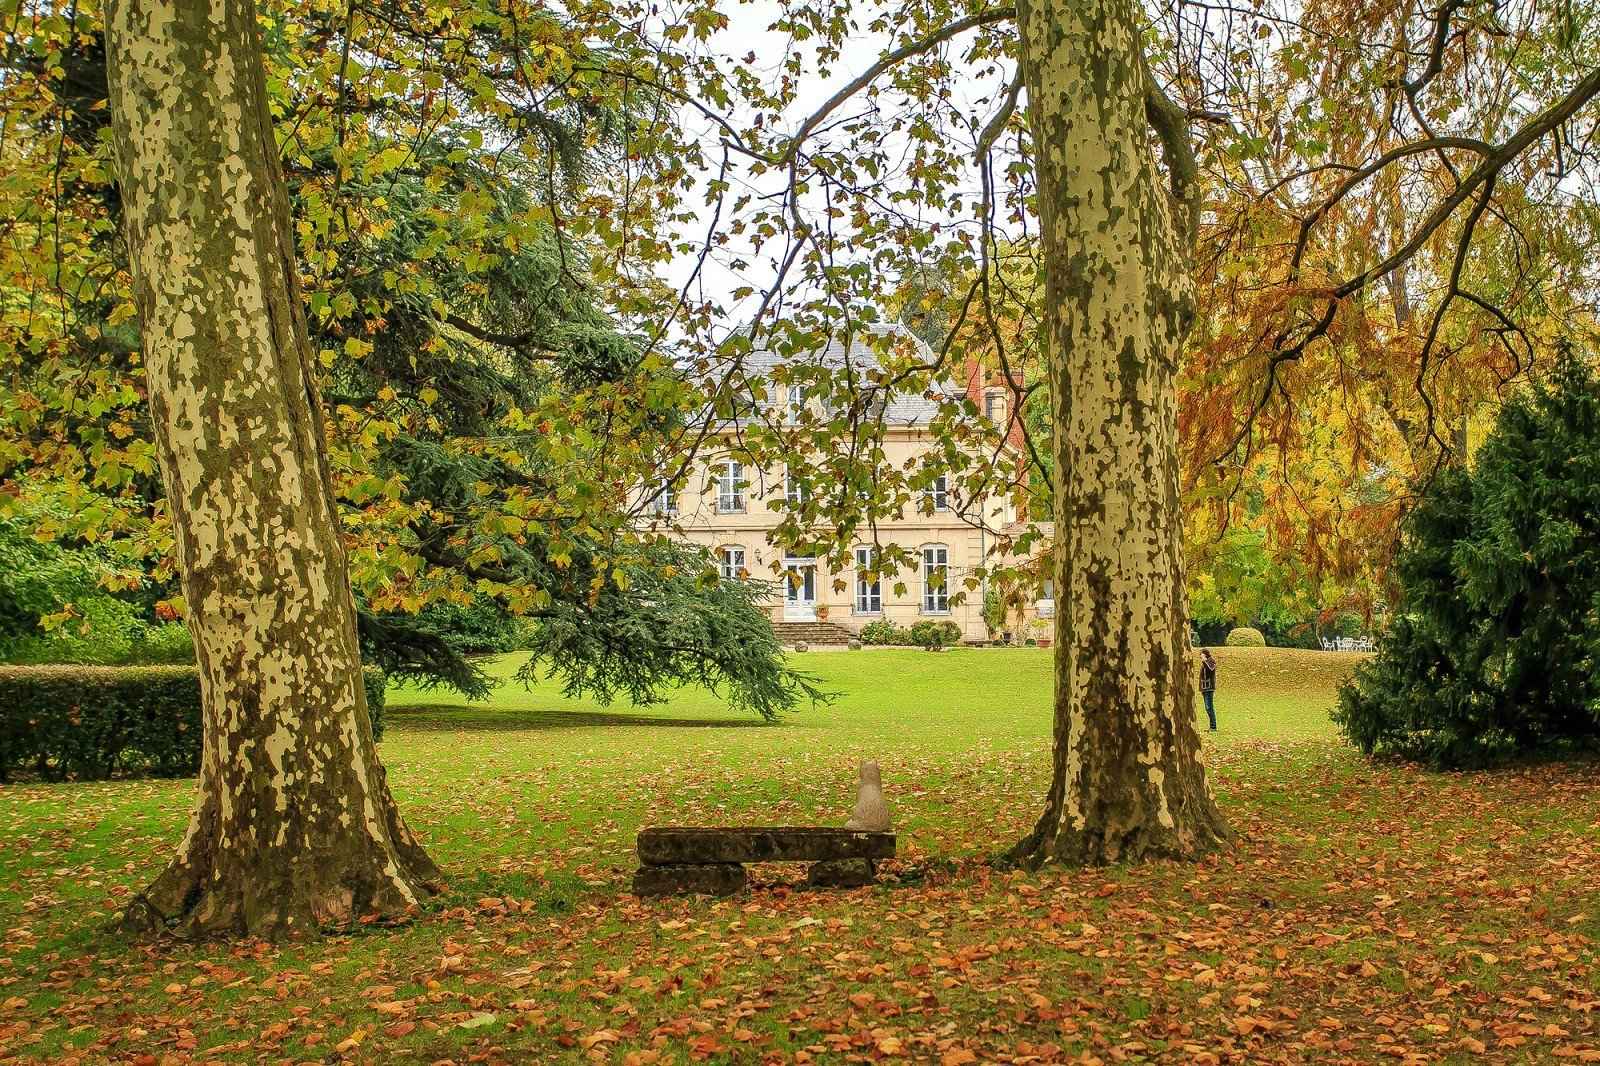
{"x":800,"y":580}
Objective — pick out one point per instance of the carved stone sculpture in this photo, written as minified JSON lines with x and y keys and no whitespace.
{"x":872,"y":812}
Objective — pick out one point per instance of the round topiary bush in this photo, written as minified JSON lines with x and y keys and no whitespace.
{"x":1245,"y":637}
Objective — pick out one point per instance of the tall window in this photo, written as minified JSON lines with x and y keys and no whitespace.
{"x":730,"y":487}
{"x":797,"y":403}
{"x":935,"y":579}
{"x":794,"y":490}
{"x":869,"y":589}
{"x":731,"y":562}
{"x":994,"y":406}
{"x":664,"y":504}
{"x":1045,"y":605}
{"x":938,"y":494}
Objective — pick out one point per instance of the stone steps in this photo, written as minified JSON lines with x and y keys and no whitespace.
{"x":792,"y":633}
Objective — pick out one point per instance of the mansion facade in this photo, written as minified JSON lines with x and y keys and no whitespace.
{"x":725,"y":509}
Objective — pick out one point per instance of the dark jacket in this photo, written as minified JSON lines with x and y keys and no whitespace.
{"x":1208,"y":676}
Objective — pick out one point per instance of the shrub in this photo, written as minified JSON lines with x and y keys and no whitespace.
{"x":1494,"y":646}
{"x":1288,"y":632}
{"x":88,"y":722}
{"x":925,"y":634}
{"x":169,"y":643}
{"x":931,"y":634}
{"x":884,"y":632}
{"x":43,"y":579}
{"x":994,"y":611}
{"x":100,"y":633}
{"x":39,"y":578}
{"x":109,"y":636}
{"x":1245,"y":637}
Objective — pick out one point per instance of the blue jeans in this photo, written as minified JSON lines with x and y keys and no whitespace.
{"x":1211,"y":709}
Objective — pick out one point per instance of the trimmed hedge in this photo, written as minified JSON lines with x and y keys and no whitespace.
{"x":1245,"y":637}
{"x":94,"y":722}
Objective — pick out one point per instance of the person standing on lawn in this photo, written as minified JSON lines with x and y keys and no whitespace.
{"x":1208,"y":685}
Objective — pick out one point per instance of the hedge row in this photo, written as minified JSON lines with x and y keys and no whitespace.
{"x":92,"y":722}
{"x":924,"y":634}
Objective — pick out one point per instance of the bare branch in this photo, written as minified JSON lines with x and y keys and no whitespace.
{"x":887,"y":60}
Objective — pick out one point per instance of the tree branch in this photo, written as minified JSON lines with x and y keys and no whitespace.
{"x":1171,"y":123}
{"x":523,"y":341}
{"x":887,"y":60}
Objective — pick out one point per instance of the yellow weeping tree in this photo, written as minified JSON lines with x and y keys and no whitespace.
{"x":1128,"y":782}
{"x":293,"y":827}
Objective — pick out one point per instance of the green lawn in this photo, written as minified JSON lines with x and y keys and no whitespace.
{"x":1368,"y":912}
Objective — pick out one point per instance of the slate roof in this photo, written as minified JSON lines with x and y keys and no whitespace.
{"x":904,"y":408}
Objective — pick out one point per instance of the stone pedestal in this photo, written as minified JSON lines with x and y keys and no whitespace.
{"x":842,"y":873}
{"x":676,"y":879}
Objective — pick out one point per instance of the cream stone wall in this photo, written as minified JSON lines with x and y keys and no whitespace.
{"x":699,"y":521}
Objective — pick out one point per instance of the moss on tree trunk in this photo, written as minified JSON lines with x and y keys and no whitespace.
{"x":1128,"y":781}
{"x":294,"y":827}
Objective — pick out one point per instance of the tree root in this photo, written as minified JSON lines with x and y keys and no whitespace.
{"x":184,"y":904}
{"x":1196,"y":835}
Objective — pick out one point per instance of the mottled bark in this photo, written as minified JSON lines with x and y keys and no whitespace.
{"x":293,"y":828}
{"x":1128,"y":781}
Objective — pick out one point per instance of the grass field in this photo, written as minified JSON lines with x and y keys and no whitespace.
{"x":1367,"y":913}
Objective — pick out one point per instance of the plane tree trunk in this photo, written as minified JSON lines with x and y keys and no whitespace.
{"x":293,"y":828}
{"x":1128,"y":781}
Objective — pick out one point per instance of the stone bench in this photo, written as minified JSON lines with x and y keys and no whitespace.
{"x":676,"y":860}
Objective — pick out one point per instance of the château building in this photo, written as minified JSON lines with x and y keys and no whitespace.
{"x":725,"y":508}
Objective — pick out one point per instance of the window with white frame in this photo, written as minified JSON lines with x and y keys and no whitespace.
{"x":994,"y":406}
{"x":730,"y":487}
{"x":869,"y":587}
{"x":664,"y":502}
{"x":794,"y":490}
{"x":797,"y":403}
{"x":1045,"y":605}
{"x":731,"y":563}
{"x":937,"y":495}
{"x":935,"y":579}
